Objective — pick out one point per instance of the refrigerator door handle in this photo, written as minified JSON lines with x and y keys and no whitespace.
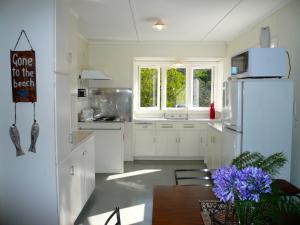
{"x":234,"y":130}
{"x":227,"y":124}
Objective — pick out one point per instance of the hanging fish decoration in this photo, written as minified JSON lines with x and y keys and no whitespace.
{"x":35,"y":130}
{"x":15,"y":137}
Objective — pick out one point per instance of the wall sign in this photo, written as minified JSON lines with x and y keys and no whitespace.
{"x":23,"y":76}
{"x":23,"y":83}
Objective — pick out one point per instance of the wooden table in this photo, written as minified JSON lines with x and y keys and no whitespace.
{"x":178,"y":205}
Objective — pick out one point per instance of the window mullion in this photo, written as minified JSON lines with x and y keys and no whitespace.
{"x":164,"y":87}
{"x":189,"y":86}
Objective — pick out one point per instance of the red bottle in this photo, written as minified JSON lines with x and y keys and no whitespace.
{"x":212,"y":112}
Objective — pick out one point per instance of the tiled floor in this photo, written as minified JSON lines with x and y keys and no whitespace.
{"x":131,"y":191}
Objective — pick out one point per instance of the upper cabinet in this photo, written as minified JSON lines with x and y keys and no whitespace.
{"x":63,"y":40}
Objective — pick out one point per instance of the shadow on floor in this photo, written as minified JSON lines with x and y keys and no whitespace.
{"x":131,"y":191}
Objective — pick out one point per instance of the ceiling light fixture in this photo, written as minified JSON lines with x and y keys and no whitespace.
{"x":159,"y":25}
{"x":178,"y":64}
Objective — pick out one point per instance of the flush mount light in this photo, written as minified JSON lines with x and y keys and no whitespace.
{"x":159,"y":25}
{"x":178,"y":64}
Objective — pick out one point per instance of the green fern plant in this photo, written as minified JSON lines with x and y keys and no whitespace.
{"x":274,"y":207}
{"x":270,"y":164}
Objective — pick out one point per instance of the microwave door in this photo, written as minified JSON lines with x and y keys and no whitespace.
{"x":233,"y":110}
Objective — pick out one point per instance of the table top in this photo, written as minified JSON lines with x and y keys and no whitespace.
{"x":179,"y":205}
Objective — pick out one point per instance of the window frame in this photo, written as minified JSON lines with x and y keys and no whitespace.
{"x":163,"y":64}
{"x":212,"y":92}
{"x":140,"y":108}
{"x":165,"y":84}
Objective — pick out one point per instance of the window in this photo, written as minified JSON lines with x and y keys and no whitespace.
{"x":176,"y":88}
{"x":202,"y":84}
{"x":159,"y":86}
{"x":149,"y":87}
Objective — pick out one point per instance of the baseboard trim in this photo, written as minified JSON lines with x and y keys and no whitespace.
{"x":168,"y":157}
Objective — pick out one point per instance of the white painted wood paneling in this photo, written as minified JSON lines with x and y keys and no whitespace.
{"x":189,"y":20}
{"x":28,"y":183}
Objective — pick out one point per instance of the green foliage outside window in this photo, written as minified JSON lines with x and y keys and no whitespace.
{"x":202,"y":93}
{"x":176,"y":87}
{"x":148,"y":92}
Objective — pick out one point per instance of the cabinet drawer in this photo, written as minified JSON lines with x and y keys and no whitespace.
{"x":143,"y":126}
{"x":193,"y":125}
{"x":189,"y":126}
{"x":167,"y":125}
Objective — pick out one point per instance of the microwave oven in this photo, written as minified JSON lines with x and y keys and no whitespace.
{"x":259,"y":63}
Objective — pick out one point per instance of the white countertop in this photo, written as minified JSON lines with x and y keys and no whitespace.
{"x":80,"y":136}
{"x":216,"y":125}
{"x":174,"y":120}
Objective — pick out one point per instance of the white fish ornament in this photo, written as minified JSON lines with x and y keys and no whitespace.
{"x":15,"y":137}
{"x":35,"y":130}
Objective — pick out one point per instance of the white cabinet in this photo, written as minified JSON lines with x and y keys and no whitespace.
{"x":89,"y":165}
{"x":167,"y":140}
{"x":76,"y":181}
{"x":109,"y":152}
{"x":109,"y":145}
{"x":170,"y":140}
{"x":128,"y":138}
{"x":214,"y":151}
{"x":65,"y":181}
{"x":71,"y":180}
{"x":191,"y":140}
{"x":144,"y":139}
{"x":63,"y":116}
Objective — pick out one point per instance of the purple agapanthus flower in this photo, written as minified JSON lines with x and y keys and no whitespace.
{"x":252,"y":183}
{"x":246,"y":184}
{"x":225,"y":183}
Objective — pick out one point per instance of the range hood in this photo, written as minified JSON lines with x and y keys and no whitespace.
{"x":93,"y":75}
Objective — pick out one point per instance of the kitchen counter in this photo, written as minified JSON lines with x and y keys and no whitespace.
{"x":80,"y":136}
{"x":145,"y":120}
{"x":216,"y":125}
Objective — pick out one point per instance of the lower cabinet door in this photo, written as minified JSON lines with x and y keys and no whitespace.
{"x":218,"y":147}
{"x":71,"y":188}
{"x":89,"y":162}
{"x":167,"y":142}
{"x":210,"y":148}
{"x":189,"y":143}
{"x":65,"y":183}
{"x":144,"y":142}
{"x":78,"y":191}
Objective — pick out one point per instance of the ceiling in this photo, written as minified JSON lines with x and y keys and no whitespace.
{"x":186,"y":20}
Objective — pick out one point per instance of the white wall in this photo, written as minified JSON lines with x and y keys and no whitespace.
{"x":285,"y":28}
{"x":116,"y":58}
{"x":28,"y":183}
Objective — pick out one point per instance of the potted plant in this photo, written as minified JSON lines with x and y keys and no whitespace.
{"x":246,"y":186}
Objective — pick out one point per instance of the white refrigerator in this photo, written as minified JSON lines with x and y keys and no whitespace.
{"x":258,"y":117}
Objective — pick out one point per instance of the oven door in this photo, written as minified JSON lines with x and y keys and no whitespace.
{"x":232,"y":104}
